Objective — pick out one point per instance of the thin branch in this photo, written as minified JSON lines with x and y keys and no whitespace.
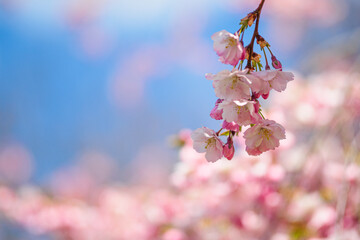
{"x":256,"y":32}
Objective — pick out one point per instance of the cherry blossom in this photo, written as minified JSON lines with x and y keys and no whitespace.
{"x":231,"y":85}
{"x":238,"y":89}
{"x":266,"y":80}
{"x":228,"y":47}
{"x":264,"y":136}
{"x":232,"y":126}
{"x":206,"y":140}
{"x":241,"y":112}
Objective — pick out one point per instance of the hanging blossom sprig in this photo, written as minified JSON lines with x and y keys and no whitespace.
{"x":238,"y":93}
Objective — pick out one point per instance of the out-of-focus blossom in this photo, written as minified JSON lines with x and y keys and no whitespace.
{"x":203,"y":202}
{"x":15,"y":164}
{"x":345,"y":235}
{"x":86,"y":177}
{"x":127,"y":84}
{"x":153,"y":172}
{"x":126,"y":93}
{"x":228,"y":47}
{"x":174,"y":234}
{"x":323,"y":217}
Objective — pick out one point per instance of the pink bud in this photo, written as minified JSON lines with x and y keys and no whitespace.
{"x":215,"y":113}
{"x":257,"y":106}
{"x":276,"y":63}
{"x":265,"y":96}
{"x":256,"y":95}
{"x":229,"y":150}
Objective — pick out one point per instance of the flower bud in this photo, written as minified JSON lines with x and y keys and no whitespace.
{"x":261,"y":41}
{"x":229,"y":149}
{"x":256,"y":95}
{"x":276,"y":63}
{"x":257,"y":106}
{"x":249,"y":19}
{"x":215,"y":112}
{"x":256,"y":57}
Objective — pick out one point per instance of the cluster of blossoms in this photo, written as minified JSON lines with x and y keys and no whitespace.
{"x":239,"y":91}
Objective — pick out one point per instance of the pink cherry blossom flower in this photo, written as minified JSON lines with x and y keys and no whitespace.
{"x":206,"y":140}
{"x":264,"y":136}
{"x":264,"y":81}
{"x":232,"y":126}
{"x":241,"y":112}
{"x":228,"y":47}
{"x":234,"y":85}
{"x":215,"y":112}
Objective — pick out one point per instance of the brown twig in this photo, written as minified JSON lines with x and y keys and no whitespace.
{"x":256,"y":32}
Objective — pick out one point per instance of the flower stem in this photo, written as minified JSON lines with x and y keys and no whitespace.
{"x":267,"y":67}
{"x":270,"y":51}
{"x":261,"y":114}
